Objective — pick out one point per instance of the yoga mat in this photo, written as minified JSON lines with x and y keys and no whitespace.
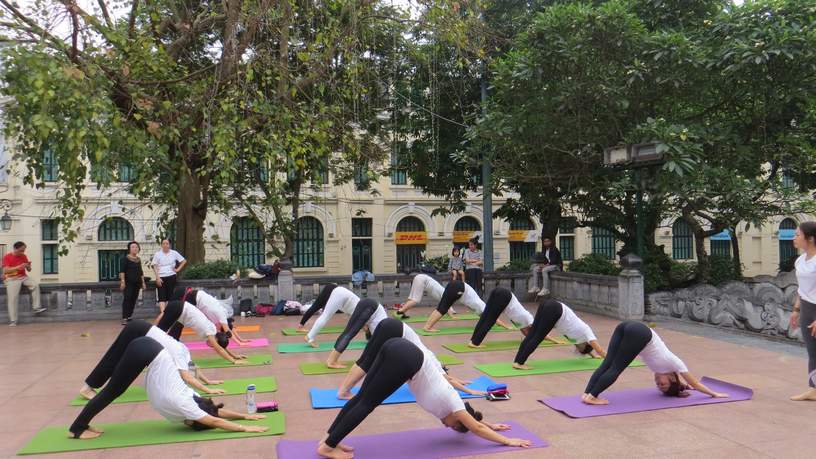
{"x":240,"y":328}
{"x":320,"y":368}
{"x":459,"y":331}
{"x":416,"y":444}
{"x":422,"y":319}
{"x":511,"y":345}
{"x":231,"y":386}
{"x":323,"y":331}
{"x":218,"y":362}
{"x":290,"y":348}
{"x":139,"y":433}
{"x":202,"y":345}
{"x":646,"y":399}
{"x":327,"y":398}
{"x":544,"y":367}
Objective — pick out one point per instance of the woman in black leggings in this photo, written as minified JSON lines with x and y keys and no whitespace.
{"x":165,"y":389}
{"x":629,"y":340}
{"x":804,"y":308}
{"x":318,"y":304}
{"x":368,"y":313}
{"x":396,"y":362}
{"x":501,"y":300}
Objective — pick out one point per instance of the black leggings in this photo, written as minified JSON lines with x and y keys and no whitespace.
{"x":387,"y":329}
{"x":453,"y":291}
{"x":628,"y":340}
{"x":167,"y":288}
{"x":319,"y":303}
{"x":473,"y":277}
{"x":548,"y":314}
{"x":365,"y":308}
{"x":136,"y":357}
{"x":397,"y":362}
{"x":104,"y":369}
{"x":129,"y":297}
{"x":496,"y":304}
{"x":806,"y":317}
{"x":169,"y":322}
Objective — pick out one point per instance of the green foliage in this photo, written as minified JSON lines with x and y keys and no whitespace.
{"x":682,"y":274}
{"x":516,"y":266}
{"x":219,"y":269}
{"x":722,"y":270}
{"x":440,"y":263}
{"x":594,"y":263}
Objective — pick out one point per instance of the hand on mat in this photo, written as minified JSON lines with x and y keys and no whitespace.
{"x":216,"y":391}
{"x":480,"y":393}
{"x":255,"y":428}
{"x":720,"y":395}
{"x":240,"y":362}
{"x":240,"y":356}
{"x":345,"y":395}
{"x":215,"y":382}
{"x":254,"y":417}
{"x":431,"y":330}
{"x":518,"y":442}
{"x":499,"y":427}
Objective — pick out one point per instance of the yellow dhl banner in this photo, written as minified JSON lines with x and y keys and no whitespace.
{"x":465,"y":236}
{"x":522,"y":236}
{"x":410,"y":238}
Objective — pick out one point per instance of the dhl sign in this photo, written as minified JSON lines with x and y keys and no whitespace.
{"x":410,"y":238}
{"x":465,"y":236}
{"x":522,"y":236}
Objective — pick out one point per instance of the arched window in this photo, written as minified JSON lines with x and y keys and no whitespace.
{"x":603,"y":242}
{"x":682,"y":240}
{"x":409,"y":253}
{"x":115,"y":229}
{"x":463,"y":230}
{"x":787,"y":229}
{"x":308,"y":243}
{"x":246,"y":243}
{"x":721,"y":244}
{"x":112,"y":229}
{"x":520,"y":249}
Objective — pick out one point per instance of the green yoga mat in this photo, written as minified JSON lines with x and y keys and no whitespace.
{"x":217,"y":362}
{"x":319,"y":368}
{"x":422,"y":319}
{"x":459,"y":331}
{"x":511,"y":345}
{"x":543,"y":367}
{"x":323,"y":331}
{"x":139,"y":433}
{"x":290,"y":348}
{"x":231,"y":386}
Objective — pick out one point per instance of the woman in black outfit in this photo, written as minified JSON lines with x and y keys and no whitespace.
{"x":131,"y":280}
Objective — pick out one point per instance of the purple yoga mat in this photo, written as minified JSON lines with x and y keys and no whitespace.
{"x":415,"y":444}
{"x":647,"y":399}
{"x":202,"y":345}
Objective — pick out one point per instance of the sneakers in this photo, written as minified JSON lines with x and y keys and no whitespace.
{"x":532,"y":290}
{"x":543,"y":292}
{"x":12,"y":324}
{"x":39,"y":311}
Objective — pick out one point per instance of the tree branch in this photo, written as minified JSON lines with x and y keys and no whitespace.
{"x":134,"y":10}
{"x":105,"y":13}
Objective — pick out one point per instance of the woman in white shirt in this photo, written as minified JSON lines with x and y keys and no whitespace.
{"x":461,"y":293}
{"x":166,"y":392}
{"x":629,"y":340}
{"x":167,"y":263}
{"x":421,"y":285}
{"x":180,"y":314}
{"x":217,"y":312}
{"x":555,"y":314}
{"x":501,"y":300}
{"x":804,"y":309}
{"x":399,"y":361}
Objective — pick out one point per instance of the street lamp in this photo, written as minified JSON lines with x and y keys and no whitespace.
{"x":5,"y":220}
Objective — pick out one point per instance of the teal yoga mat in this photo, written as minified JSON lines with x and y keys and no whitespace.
{"x":291,"y":348}
{"x":510,"y":345}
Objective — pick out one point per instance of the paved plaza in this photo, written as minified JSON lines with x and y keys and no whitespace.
{"x":44,"y":365}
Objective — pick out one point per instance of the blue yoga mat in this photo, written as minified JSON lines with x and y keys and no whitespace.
{"x":327,"y":398}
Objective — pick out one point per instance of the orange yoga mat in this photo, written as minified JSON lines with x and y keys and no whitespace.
{"x":240,"y":328}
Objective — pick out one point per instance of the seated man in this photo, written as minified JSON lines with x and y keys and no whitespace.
{"x":545,"y":262}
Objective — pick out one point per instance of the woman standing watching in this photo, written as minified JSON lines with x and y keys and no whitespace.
{"x":804,"y":309}
{"x":131,"y":280}
{"x":167,"y":263}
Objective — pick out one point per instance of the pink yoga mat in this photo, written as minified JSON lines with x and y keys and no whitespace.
{"x":202,"y":345}
{"x":415,"y":444}
{"x":647,"y":399}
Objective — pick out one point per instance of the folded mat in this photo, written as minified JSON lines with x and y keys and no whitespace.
{"x":459,"y":331}
{"x":544,"y":367}
{"x":422,"y":319}
{"x":511,"y":345}
{"x":240,"y":328}
{"x":137,"y":393}
{"x":323,"y":331}
{"x":218,"y":362}
{"x":415,"y":444}
{"x":139,"y":433}
{"x":327,"y":398}
{"x":202,"y":345}
{"x":646,"y":399}
{"x":320,"y":368}
{"x":290,"y":348}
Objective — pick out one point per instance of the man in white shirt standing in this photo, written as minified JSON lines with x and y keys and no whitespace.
{"x":167,"y":263}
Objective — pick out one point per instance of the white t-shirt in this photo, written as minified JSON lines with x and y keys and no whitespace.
{"x":571,"y":325}
{"x":471,"y":299}
{"x":423,"y":284}
{"x":212,"y":308}
{"x":433,"y":392}
{"x":660,"y":359}
{"x":179,"y":352}
{"x":167,"y":262}
{"x":806,"y":278}
{"x":167,"y":392}
{"x":193,"y":318}
{"x":377,"y":316}
{"x":518,"y":313}
{"x":341,"y":299}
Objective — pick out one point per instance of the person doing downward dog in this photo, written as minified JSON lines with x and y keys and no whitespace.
{"x":180,"y":314}
{"x":462,"y":293}
{"x":136,"y":329}
{"x":166,"y":392}
{"x":629,"y":340}
{"x":217,"y":312}
{"x":318,"y":304}
{"x":501,"y":300}
{"x":421,"y":285}
{"x":804,"y":308}
{"x":367,"y":313}
{"x":555,"y":314}
{"x":396,"y":362}
{"x":387,"y":329}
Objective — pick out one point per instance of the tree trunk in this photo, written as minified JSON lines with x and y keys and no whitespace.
{"x":703,"y":264}
{"x":550,"y":218}
{"x":289,"y":236}
{"x":735,"y":250}
{"x":192,"y":212}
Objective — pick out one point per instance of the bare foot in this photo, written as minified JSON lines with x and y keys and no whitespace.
{"x":324,"y":450}
{"x":87,"y":435}
{"x":87,"y":392}
{"x":337,"y":366}
{"x":98,"y":430}
{"x":590,"y":400}
{"x":345,"y":448}
{"x":431,"y":330}
{"x":345,"y":395}
{"x":810,"y":395}
{"x":302,"y":330}
{"x":311,"y":343}
{"x":521,"y":366}
{"x":476,"y":346}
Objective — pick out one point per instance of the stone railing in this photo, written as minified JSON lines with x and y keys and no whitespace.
{"x":619,"y":296}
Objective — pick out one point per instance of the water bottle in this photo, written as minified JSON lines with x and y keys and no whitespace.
{"x":252,"y":408}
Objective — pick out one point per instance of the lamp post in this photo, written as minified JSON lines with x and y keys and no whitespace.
{"x":5,"y":220}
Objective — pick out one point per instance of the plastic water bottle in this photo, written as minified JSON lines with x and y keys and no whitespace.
{"x":252,"y":408}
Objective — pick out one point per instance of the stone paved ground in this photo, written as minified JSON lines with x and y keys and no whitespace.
{"x":43,"y":366}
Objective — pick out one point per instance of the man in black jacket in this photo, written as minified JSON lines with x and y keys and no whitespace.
{"x":545,"y":261}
